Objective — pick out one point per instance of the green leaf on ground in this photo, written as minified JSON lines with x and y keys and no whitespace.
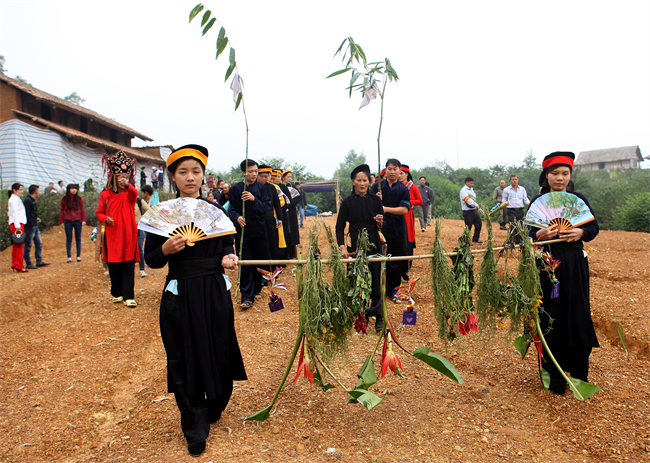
{"x":438,"y":362}
{"x":318,"y":379}
{"x":259,"y":416}
{"x":209,"y":26}
{"x":546,"y":378}
{"x":621,"y":335}
{"x":585,"y":389}
{"x":365,"y":398}
{"x":522,"y":343}
{"x":196,"y":10}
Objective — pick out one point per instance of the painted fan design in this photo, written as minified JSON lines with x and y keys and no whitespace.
{"x":558,"y":208}
{"x":195,"y":219}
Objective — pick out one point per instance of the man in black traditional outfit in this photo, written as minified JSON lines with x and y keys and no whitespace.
{"x":252,"y":223}
{"x":273,"y":216}
{"x":572,"y":335}
{"x":396,"y":201}
{"x":196,"y":314}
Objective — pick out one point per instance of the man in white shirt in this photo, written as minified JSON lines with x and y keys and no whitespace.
{"x":470,"y":209}
{"x":517,"y":199}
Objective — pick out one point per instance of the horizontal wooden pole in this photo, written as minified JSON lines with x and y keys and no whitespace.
{"x":382,"y":259}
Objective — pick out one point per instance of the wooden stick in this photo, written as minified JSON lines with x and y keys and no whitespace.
{"x":382,"y":259}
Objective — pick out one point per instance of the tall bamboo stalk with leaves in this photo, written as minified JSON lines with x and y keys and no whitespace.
{"x":373,"y":73}
{"x":237,"y":86}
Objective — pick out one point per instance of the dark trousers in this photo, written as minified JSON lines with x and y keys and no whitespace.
{"x":33,"y":234}
{"x":394,"y":269}
{"x":121,"y":274}
{"x":70,"y":225}
{"x":515,"y":216}
{"x":197,"y":412}
{"x":141,"y":236}
{"x":251,"y":280}
{"x":473,"y":218}
{"x":574,"y":359}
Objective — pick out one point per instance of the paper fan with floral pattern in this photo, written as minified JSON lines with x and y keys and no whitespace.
{"x":559,"y":208}
{"x":193,"y":218}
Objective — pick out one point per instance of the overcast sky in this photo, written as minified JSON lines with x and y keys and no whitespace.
{"x":481,"y":82}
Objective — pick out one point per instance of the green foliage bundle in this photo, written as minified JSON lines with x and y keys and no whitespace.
{"x":463,"y":272}
{"x":489,"y":292}
{"x":443,"y":287}
{"x":329,"y":316}
{"x":359,"y":277}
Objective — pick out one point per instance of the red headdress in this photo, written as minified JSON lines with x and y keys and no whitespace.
{"x":118,"y":164}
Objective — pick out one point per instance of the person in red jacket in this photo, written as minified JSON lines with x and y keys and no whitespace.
{"x":416,"y":199}
{"x":72,"y":217}
{"x":116,"y":209}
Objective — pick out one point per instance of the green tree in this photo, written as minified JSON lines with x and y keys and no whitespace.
{"x":634,"y":214}
{"x":351,"y":160}
{"x":20,"y":79}
{"x":74,"y":98}
{"x":2,"y":65}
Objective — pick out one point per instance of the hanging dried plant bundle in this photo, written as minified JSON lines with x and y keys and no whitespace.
{"x":443,"y":288}
{"x":463,"y":271}
{"x":359,"y":277}
{"x":490,"y":302}
{"x":312,"y":296}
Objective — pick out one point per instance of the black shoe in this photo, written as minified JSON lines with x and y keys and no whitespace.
{"x":197,"y":448}
{"x":502,"y":227}
{"x":265,"y":283}
{"x":477,"y":242}
{"x":405,"y":277}
{"x":379,"y":323}
{"x":31,"y":267}
{"x":42,"y":264}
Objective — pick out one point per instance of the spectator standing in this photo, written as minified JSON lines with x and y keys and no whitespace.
{"x":51,"y":188}
{"x":143,"y":178}
{"x":72,"y":216}
{"x":154,"y":177}
{"x":60,"y":188}
{"x":32,"y":231}
{"x":161,"y":179}
{"x":416,"y":200}
{"x":302,"y":204}
{"x":115,"y":209}
{"x":497,"y":197}
{"x":291,"y":218}
{"x":224,"y":195}
{"x":141,"y":207}
{"x":424,"y":209}
{"x":517,"y":199}
{"x":17,"y":221}
{"x":470,"y":209}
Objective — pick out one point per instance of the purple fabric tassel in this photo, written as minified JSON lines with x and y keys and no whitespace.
{"x":556,"y":290}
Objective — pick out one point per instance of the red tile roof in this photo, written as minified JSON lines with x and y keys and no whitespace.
{"x":77,"y":135}
{"x":73,"y":108}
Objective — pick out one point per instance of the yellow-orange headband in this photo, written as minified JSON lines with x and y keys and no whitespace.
{"x":187,"y":152}
{"x":265,"y":170}
{"x":277,"y":172}
{"x":288,"y":171}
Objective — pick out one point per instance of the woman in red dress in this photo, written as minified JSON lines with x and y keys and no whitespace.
{"x":416,"y":200}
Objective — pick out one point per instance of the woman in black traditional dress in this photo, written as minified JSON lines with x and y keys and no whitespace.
{"x":196,"y":313}
{"x":572,"y":335}
{"x":363,"y":209}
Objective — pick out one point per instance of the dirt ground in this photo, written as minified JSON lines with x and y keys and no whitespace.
{"x":83,"y":379}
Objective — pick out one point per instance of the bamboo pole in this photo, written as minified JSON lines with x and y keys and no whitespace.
{"x":382,"y":259}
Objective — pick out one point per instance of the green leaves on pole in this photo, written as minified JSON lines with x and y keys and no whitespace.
{"x":207,"y":22}
{"x":438,"y":362}
{"x":222,"y":41}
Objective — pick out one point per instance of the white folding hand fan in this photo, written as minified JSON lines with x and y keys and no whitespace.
{"x":558,"y":208}
{"x":195,"y":219}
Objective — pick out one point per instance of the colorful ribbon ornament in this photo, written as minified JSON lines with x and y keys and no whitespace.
{"x":275,"y":300}
{"x":550,"y":265}
{"x":404,"y":293}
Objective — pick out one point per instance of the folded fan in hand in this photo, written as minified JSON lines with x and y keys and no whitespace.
{"x":565,"y":210}
{"x":189,"y":217}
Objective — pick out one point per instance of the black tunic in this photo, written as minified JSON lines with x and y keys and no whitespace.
{"x":571,"y":311}
{"x":212,"y":355}
{"x":291,"y":230}
{"x":360,"y":212}
{"x":271,"y":221}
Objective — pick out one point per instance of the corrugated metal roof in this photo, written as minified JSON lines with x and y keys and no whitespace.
{"x":73,"y":108}
{"x":72,"y":133}
{"x":608,"y":155}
